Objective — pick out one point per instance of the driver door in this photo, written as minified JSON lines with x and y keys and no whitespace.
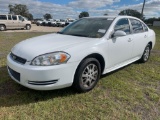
{"x":21,"y":22}
{"x":120,"y":48}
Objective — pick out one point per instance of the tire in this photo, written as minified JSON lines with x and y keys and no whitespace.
{"x":87,"y":75}
{"x":2,"y":27}
{"x":28,"y":27}
{"x":146,"y":54}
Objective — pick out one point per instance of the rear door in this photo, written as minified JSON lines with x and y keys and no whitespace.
{"x":140,"y":37}
{"x":120,"y":48}
{"x":9,"y":22}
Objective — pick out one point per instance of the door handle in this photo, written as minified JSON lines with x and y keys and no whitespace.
{"x":129,"y":40}
{"x":145,"y":36}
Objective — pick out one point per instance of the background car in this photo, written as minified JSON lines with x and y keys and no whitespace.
{"x":69,"y":21}
{"x":39,"y":22}
{"x":14,"y":22}
{"x":61,"y":23}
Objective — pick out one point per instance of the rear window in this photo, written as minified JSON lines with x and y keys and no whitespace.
{"x":14,"y":17}
{"x":3,"y":17}
{"x":137,"y":26}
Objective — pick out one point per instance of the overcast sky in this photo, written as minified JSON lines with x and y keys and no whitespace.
{"x":71,"y":8}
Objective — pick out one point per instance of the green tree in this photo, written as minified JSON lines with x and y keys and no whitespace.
{"x":19,"y":9}
{"x":83,"y":14}
{"x":47,"y":16}
{"x":131,"y":12}
{"x":30,"y":16}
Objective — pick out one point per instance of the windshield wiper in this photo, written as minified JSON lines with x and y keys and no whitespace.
{"x":60,"y":32}
{"x":78,"y":35}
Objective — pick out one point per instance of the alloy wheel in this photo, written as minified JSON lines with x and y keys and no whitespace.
{"x":146,"y":53}
{"x":89,"y":75}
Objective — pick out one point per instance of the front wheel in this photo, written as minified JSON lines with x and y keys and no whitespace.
{"x":2,"y":27}
{"x":87,"y":75}
{"x":28,"y":27}
{"x":146,"y":54}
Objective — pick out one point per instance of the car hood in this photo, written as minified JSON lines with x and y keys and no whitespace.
{"x":33,"y":47}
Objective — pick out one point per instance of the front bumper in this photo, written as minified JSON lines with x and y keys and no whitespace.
{"x":42,"y":77}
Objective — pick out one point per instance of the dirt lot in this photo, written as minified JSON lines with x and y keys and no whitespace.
{"x":36,"y":28}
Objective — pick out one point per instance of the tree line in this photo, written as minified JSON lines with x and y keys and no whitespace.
{"x":20,"y":9}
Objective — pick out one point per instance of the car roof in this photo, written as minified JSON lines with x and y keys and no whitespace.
{"x":113,"y":17}
{"x":7,"y":14}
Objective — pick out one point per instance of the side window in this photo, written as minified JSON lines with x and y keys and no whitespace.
{"x":123,"y":25}
{"x":20,"y":18}
{"x":136,"y":26}
{"x":9,"y":17}
{"x":3,"y":17}
{"x":14,"y":17}
{"x":145,"y":28}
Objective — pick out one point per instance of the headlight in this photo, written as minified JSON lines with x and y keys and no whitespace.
{"x":51,"y":59}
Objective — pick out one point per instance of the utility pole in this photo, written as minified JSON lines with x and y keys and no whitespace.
{"x":143,"y":7}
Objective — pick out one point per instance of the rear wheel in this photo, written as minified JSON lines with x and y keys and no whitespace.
{"x":2,"y":27}
{"x":146,"y":54}
{"x":87,"y":75}
{"x":28,"y":27}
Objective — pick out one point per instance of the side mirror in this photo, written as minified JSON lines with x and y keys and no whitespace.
{"x":119,"y":33}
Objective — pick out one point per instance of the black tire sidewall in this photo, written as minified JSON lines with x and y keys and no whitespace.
{"x":142,"y":58}
{"x":77,"y":84}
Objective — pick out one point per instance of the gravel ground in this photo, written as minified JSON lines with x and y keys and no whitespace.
{"x":36,"y":28}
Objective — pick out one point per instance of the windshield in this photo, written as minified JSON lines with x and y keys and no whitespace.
{"x":88,"y":27}
{"x":62,"y":20}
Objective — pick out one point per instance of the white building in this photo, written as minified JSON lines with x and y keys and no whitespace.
{"x":156,"y":23}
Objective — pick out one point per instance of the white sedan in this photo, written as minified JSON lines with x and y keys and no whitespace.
{"x":79,"y":54}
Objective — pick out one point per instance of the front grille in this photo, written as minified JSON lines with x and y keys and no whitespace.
{"x":18,"y":59}
{"x":42,"y":82}
{"x":14,"y":74}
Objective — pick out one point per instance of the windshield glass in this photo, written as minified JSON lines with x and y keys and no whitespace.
{"x":88,"y":27}
{"x":62,"y":20}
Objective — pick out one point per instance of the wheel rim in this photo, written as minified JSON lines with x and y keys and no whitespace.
{"x":2,"y":28}
{"x":28,"y":27}
{"x":146,"y":53}
{"x":89,"y":75}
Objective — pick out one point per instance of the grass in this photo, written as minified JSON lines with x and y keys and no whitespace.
{"x":131,"y":93}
